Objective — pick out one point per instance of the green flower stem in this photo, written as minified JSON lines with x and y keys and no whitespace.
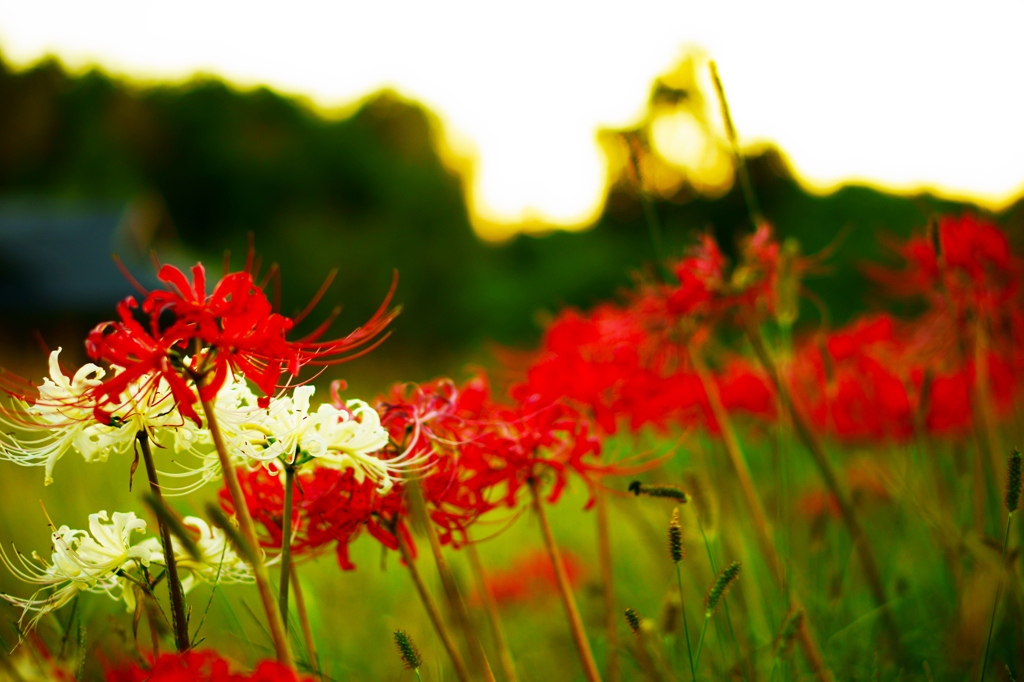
{"x":999,"y":589}
{"x":286,"y":542}
{"x":179,"y":620}
{"x":564,"y":587}
{"x":686,"y":626}
{"x":275,"y":622}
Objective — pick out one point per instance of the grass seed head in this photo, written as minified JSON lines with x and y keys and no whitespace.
{"x":633,"y":619}
{"x":673,"y":492}
{"x":675,"y":538}
{"x":407,"y":650}
{"x":1013,"y":482}
{"x":717,"y":591}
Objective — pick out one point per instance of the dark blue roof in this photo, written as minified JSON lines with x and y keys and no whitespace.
{"x":60,"y":258}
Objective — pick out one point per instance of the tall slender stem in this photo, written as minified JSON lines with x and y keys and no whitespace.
{"x":803,"y":430}
{"x":431,"y":606}
{"x":995,"y":604}
{"x":604,"y":559}
{"x":179,"y":620}
{"x":686,"y":626}
{"x":565,"y":588}
{"x":451,"y":588}
{"x":766,"y":542}
{"x":286,"y":542}
{"x":491,"y":607}
{"x":275,"y":622}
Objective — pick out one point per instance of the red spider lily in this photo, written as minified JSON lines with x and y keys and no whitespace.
{"x":707,"y":289}
{"x":329,"y":507}
{"x":968,"y":258}
{"x":200,"y":666}
{"x":232,"y":329}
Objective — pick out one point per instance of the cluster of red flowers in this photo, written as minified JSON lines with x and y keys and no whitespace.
{"x":874,"y":379}
{"x":472,"y":454}
{"x":201,"y":666}
{"x":233,"y":328}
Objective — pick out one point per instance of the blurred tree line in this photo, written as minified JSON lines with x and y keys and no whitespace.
{"x":370,"y":194}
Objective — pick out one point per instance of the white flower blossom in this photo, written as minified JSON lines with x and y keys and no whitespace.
{"x":98,"y":560}
{"x":63,"y":417}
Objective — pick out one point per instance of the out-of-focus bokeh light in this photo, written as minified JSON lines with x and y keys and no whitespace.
{"x":907,"y":96}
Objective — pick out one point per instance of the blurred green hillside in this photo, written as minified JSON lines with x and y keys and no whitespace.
{"x":370,"y":194}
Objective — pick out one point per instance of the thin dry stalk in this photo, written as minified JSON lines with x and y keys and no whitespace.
{"x":579,"y":636}
{"x":431,"y":606}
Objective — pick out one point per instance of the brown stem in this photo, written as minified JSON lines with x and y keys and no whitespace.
{"x":451,"y":589}
{"x":282,"y":646}
{"x":307,"y":631}
{"x":766,"y":542}
{"x":491,"y":608}
{"x":286,"y":543}
{"x":565,"y":588}
{"x":179,"y":621}
{"x":431,"y":606}
{"x":804,"y":432}
{"x":604,"y":560}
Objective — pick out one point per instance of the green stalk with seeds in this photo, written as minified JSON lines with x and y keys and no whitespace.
{"x":1013,"y":491}
{"x":676,"y":551}
{"x":715,"y":594}
{"x":409,"y":653}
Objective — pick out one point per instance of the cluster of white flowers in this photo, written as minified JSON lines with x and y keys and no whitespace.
{"x":104,"y":560}
{"x":63,"y":418}
{"x":287,"y":431}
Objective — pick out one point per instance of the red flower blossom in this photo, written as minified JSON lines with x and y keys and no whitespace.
{"x":232,"y":329}
{"x":329,"y":507}
{"x":200,"y":666}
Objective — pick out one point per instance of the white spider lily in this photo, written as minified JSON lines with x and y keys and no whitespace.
{"x":63,"y":418}
{"x":217,"y":561}
{"x":288,"y":431}
{"x":98,"y":560}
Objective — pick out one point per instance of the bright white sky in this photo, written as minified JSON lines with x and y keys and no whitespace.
{"x":907,"y":95}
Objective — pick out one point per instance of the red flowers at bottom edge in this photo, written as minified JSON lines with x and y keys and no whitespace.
{"x":201,"y":666}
